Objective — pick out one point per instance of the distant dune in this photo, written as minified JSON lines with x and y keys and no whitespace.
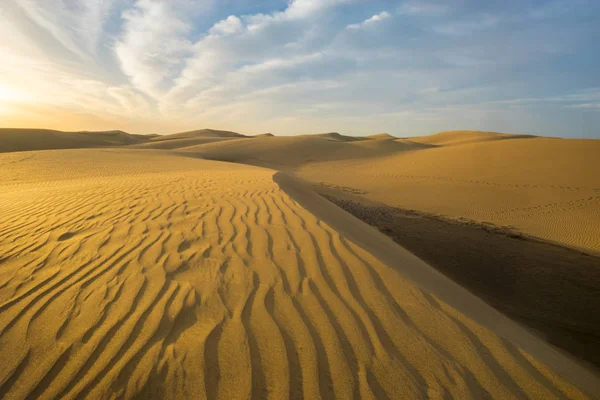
{"x":452,"y":138}
{"x":337,"y":137}
{"x":201,"y":133}
{"x":176,"y":143}
{"x":507,"y":180}
{"x":382,"y":136}
{"x":290,"y":152}
{"x":44,"y":139}
{"x":161,"y":272}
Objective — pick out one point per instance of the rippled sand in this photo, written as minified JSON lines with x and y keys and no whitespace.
{"x":138,"y":273}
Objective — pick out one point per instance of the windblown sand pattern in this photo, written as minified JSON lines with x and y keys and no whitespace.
{"x":142,"y":274}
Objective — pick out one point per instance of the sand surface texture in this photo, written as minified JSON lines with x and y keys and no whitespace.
{"x":141,"y":273}
{"x":543,"y":187}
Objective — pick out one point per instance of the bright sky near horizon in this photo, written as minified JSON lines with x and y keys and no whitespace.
{"x":302,"y":66}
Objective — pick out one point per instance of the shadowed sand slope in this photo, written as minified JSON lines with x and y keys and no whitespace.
{"x":44,"y":139}
{"x":143,"y":274}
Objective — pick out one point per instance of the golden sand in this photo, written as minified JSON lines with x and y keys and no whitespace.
{"x":544,"y":187}
{"x":148,"y":274}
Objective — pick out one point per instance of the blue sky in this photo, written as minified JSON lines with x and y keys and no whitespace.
{"x":302,"y":66}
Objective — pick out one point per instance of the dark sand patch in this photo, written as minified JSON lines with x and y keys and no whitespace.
{"x":552,"y":289}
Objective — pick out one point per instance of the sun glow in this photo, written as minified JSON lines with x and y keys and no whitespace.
{"x":9,"y":95}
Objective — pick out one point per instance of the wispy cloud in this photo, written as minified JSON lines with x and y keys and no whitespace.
{"x":76,"y":26}
{"x":346,"y":65}
{"x":371,"y":21}
{"x":152,"y":45}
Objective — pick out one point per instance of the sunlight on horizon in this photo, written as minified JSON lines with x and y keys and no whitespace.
{"x":300,"y":66}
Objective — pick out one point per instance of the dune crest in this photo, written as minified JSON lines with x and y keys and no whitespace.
{"x":382,"y":136}
{"x":146,"y":274}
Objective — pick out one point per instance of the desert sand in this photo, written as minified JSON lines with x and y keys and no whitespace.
{"x":45,"y":139}
{"x":544,"y":187}
{"x":128,"y":272}
{"x":474,"y":205}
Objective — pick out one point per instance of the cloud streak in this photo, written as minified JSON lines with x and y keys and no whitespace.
{"x":303,"y":65}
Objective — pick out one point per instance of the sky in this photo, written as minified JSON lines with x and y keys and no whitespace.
{"x":302,"y":66}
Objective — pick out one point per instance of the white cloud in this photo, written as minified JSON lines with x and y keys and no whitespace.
{"x":244,"y":46}
{"x":371,"y":21}
{"x":77,"y":25}
{"x":152,"y":45}
{"x":228,"y":26}
{"x":163,"y":61}
{"x":306,"y":8}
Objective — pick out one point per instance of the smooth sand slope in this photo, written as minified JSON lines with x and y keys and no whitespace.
{"x":453,"y":138}
{"x":176,"y":143}
{"x":140,"y":273}
{"x":200,"y":133}
{"x":291,"y":153}
{"x":547,"y":188}
{"x":188,"y":139}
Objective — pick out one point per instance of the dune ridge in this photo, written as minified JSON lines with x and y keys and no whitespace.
{"x":382,"y":136}
{"x":146,"y":274}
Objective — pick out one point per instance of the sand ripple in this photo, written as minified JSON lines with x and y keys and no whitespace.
{"x":195,"y":279}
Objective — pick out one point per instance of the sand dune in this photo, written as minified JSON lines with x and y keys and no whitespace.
{"x":44,"y":139}
{"x":200,"y":133}
{"x":336,"y":137}
{"x":286,"y":153}
{"x":541,"y":187}
{"x":453,"y":138}
{"x":140,"y":273}
{"x":382,"y":136}
{"x":14,"y":140}
{"x":172,"y":144}
{"x":481,"y":203}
